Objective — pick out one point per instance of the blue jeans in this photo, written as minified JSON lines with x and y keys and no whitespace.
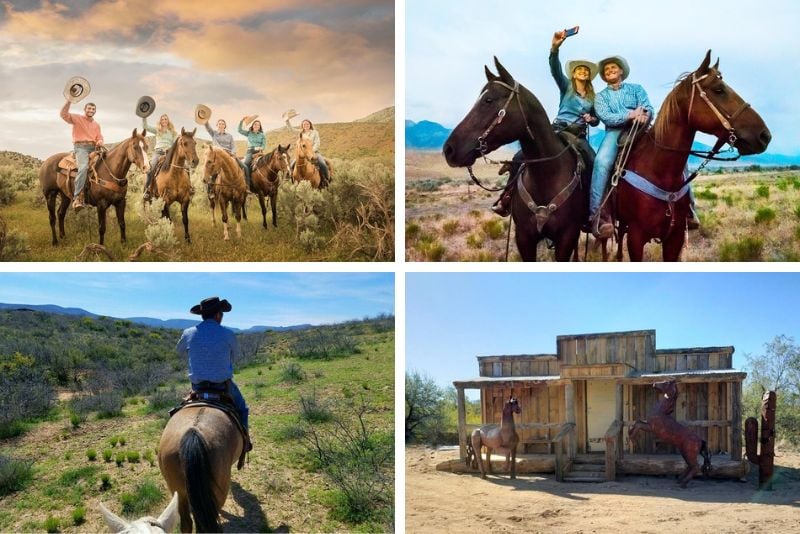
{"x":82,"y":159}
{"x":238,"y":403}
{"x":324,"y":173}
{"x":157,"y":153}
{"x":248,"y":159}
{"x":603,"y":165}
{"x":245,"y":168}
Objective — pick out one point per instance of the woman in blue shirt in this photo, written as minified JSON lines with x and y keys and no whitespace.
{"x":256,"y":142}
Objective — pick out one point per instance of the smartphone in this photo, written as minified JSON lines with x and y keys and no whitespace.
{"x":571,"y":31}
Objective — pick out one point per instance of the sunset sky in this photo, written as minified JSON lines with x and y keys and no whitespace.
{"x":331,"y":61}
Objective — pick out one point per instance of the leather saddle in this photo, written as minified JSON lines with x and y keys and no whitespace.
{"x":68,"y":171}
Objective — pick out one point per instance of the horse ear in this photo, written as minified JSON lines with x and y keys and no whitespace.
{"x":706,"y":62}
{"x":501,"y":70}
{"x":489,"y":74}
{"x":183,"y":131}
{"x":134,"y":133}
{"x":169,"y":517}
{"x":194,"y":131}
{"x":716,"y":65}
{"x":115,"y":523}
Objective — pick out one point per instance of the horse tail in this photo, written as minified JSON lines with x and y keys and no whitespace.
{"x":706,"y":458}
{"x":197,"y":473}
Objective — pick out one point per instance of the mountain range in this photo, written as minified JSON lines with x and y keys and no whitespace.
{"x":429,"y":135}
{"x":178,"y":324}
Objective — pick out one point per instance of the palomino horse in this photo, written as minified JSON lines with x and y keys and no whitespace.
{"x":107,"y":189}
{"x":164,"y":524}
{"x":668,"y":430}
{"x":197,"y":449}
{"x":503,"y":439}
{"x":266,"y":179}
{"x":552,"y":200}
{"x":229,"y":187}
{"x":173,"y":183}
{"x":700,"y":101}
{"x":304,"y":167}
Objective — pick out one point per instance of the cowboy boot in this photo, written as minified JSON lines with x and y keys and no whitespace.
{"x":78,"y":204}
{"x":502,"y":205}
{"x":603,"y":227}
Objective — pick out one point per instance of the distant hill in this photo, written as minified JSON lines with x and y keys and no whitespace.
{"x":15,"y":159}
{"x":384,"y":115}
{"x":425,"y":135}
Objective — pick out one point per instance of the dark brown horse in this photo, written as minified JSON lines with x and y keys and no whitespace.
{"x":173,"y":183}
{"x":266,"y":175}
{"x":503,"y":439}
{"x":108,"y":188}
{"x":661,"y":423}
{"x":701,"y":101}
{"x":552,"y":200}
{"x":197,"y":449}
{"x":229,"y":188}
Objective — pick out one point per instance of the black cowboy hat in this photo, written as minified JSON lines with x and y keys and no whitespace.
{"x":211,"y":305}
{"x":145,"y":106}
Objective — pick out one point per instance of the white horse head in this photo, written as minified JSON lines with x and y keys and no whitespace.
{"x":146,"y":525}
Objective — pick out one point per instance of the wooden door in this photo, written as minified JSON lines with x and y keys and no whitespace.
{"x":600,"y":412}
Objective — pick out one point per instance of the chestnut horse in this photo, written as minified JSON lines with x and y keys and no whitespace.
{"x":504,"y":439}
{"x":668,"y":430}
{"x":266,"y":179}
{"x":197,"y":449}
{"x":173,"y":183}
{"x":108,"y":188}
{"x":552,"y":200}
{"x":700,"y":101}
{"x":305,"y":167}
{"x":229,"y":187}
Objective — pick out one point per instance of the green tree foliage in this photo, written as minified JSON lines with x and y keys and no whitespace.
{"x":423,"y":407}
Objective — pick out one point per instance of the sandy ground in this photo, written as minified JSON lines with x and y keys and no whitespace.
{"x":438,"y":501}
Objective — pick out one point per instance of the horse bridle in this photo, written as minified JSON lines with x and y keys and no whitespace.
{"x":724,"y":118}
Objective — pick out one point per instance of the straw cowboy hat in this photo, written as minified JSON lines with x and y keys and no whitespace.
{"x":249,"y":118}
{"x":202,"y":113}
{"x":289,"y":114}
{"x":77,"y":89}
{"x":211,"y":305}
{"x":575,"y":63}
{"x":617,"y":60}
{"x":145,"y":106}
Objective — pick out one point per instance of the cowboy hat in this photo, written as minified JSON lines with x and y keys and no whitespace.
{"x":617,"y":60}
{"x":76,"y":89}
{"x":202,"y":113}
{"x":145,"y":106}
{"x":289,"y":114}
{"x":211,"y":305}
{"x":249,"y":119}
{"x":575,"y":63}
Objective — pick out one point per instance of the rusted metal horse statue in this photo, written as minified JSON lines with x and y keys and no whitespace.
{"x":668,"y":430}
{"x":503,"y":439}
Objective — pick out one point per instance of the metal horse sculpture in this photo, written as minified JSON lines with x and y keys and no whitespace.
{"x":229,"y":188}
{"x":700,"y":101}
{"x":107,"y":189}
{"x":197,"y":449}
{"x":173,"y":183}
{"x":503,"y":439}
{"x":165,"y":523}
{"x":266,"y":174}
{"x":552,"y":198}
{"x":667,"y":429}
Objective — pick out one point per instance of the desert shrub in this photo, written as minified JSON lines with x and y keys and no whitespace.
{"x":149,"y":458}
{"x":291,"y":432}
{"x":493,"y":228}
{"x":728,"y":199}
{"x":105,"y":404}
{"x":120,"y":459}
{"x":706,"y":194}
{"x":475,"y":240}
{"x":76,"y":419}
{"x":79,"y":515}
{"x":107,"y":455}
{"x":122,"y":440}
{"x":51,"y":524}
{"x":764,"y":215}
{"x":450,"y":227}
{"x":412,"y":231}
{"x":13,"y":243}
{"x":475,"y":214}
{"x":292,"y":372}
{"x":113,"y":440}
{"x":27,"y":390}
{"x":304,"y":203}
{"x":323,"y":343}
{"x":8,"y":190}
{"x":12,"y":429}
{"x":70,"y":477}
{"x":746,"y":249}
{"x":797,"y":211}
{"x":313,"y":409}
{"x":762,"y":191}
{"x":145,"y":496}
{"x":163,"y":399}
{"x":429,"y":185}
{"x":15,"y":475}
{"x":105,"y":481}
{"x":91,"y":454}
{"x":132,"y":457}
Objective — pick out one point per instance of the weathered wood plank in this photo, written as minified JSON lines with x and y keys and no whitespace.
{"x":713,"y":414}
{"x":736,"y":420}
{"x":462,"y":422}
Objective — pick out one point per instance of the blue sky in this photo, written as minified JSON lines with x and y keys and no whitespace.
{"x":449,"y":41}
{"x":452,"y":318}
{"x":273,"y":299}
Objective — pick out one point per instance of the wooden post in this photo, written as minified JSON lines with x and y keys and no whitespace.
{"x":462,"y":424}
{"x":736,"y":420}
{"x":569,"y":394}
{"x":619,"y":417}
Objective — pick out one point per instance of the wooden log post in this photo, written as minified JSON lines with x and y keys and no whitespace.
{"x":462,"y":424}
{"x":736,"y":420}
{"x":620,"y":416}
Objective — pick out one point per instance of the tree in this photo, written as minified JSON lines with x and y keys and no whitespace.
{"x":423,"y":405}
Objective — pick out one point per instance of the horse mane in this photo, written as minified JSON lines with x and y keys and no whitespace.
{"x":227,"y":163}
{"x":670,"y":111}
{"x":171,"y":153}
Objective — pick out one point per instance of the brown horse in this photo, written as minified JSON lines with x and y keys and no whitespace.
{"x":504,"y":439}
{"x":266,"y":179}
{"x":701,"y":101}
{"x":197,"y":449}
{"x":173,"y":183}
{"x":552,"y":199}
{"x":661,"y":423}
{"x":165,"y":523}
{"x":107,"y":188}
{"x":229,"y":187}
{"x":304,"y":167}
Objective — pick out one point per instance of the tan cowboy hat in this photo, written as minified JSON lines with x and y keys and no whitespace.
{"x":145,"y":106}
{"x":249,"y":118}
{"x":211,"y":305}
{"x":289,"y":114}
{"x":617,"y":60}
{"x":575,"y":63}
{"x":77,"y":89}
{"x":202,"y":113}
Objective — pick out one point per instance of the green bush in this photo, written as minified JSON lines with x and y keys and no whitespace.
{"x":145,"y":496}
{"x":149,"y":458}
{"x":764,"y":215}
{"x":433,"y":250}
{"x":51,"y":524}
{"x":14,"y":474}
{"x":113,"y":440}
{"x":91,"y":454}
{"x":132,"y":457}
{"x":475,"y":240}
{"x":762,"y":191}
{"x":450,"y":227}
{"x":313,"y":409}
{"x":105,"y":480}
{"x":79,"y":515}
{"x":706,"y":194}
{"x":292,"y":372}
{"x":163,"y":400}
{"x":12,"y":429}
{"x":122,"y":441}
{"x":120,"y":459}
{"x":746,"y":249}
{"x":75,"y":420}
{"x":107,"y":455}
{"x":797,"y":211}
{"x":493,"y":228}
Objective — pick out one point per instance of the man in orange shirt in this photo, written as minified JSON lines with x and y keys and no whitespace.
{"x":86,"y":138}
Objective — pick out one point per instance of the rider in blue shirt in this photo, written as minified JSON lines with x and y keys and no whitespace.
{"x":210,"y":349}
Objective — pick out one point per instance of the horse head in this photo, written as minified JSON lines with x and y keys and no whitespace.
{"x":188,"y":147}
{"x":137,"y":150}
{"x":304,"y":149}
{"x":165,"y":523}
{"x":512,"y":406}
{"x":668,"y":396}
{"x":282,"y":154}
{"x":211,"y":166}
{"x":715,"y":108}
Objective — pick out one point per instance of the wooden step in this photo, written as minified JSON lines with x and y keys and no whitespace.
{"x":596,"y":468}
{"x":585,"y":477}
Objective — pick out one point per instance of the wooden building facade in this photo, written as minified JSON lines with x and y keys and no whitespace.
{"x":578,"y":404}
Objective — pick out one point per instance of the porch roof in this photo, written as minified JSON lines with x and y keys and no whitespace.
{"x":714,"y":375}
{"x":508,"y":381}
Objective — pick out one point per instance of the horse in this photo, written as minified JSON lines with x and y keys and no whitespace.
{"x":552,"y":199}
{"x":700,"y":101}
{"x":661,"y":423}
{"x":229,"y":187}
{"x":164,"y":524}
{"x":266,"y":179}
{"x":504,"y":439}
{"x":197,"y":449}
{"x":106,"y":186}
{"x":173,"y":182}
{"x":304,"y":167}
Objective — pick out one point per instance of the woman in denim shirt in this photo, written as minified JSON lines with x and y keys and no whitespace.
{"x":256,"y":142}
